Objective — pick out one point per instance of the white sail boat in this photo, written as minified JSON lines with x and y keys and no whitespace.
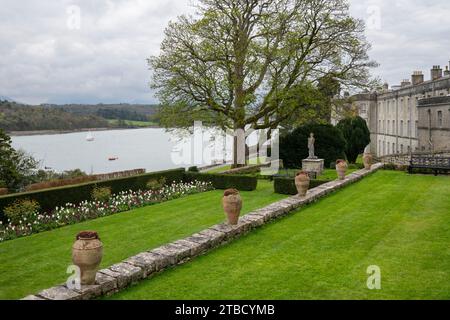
{"x":90,"y":137}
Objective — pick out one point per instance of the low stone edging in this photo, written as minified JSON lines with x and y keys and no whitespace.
{"x":147,"y":264}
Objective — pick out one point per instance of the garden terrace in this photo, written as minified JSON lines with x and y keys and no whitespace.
{"x":390,"y":219}
{"x":33,"y":263}
{"x":146,"y":264}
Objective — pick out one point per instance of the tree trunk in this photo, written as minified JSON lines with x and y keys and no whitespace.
{"x":239,"y":147}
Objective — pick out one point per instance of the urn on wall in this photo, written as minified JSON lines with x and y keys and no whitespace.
{"x":367,"y":159}
{"x":302,"y":182}
{"x":232,"y":205}
{"x":87,"y":254}
{"x":341,"y":168}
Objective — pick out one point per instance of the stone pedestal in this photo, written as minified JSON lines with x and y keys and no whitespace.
{"x":314,"y":167}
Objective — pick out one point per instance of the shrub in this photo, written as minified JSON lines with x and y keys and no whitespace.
{"x":285,"y":185}
{"x":156,"y":184}
{"x":223,"y":182}
{"x":357,"y":136}
{"x":193,"y":169}
{"x":49,"y":199}
{"x":330,"y":144}
{"x":101,"y":194}
{"x":22,"y":210}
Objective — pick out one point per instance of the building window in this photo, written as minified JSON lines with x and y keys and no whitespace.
{"x":401,"y":128}
{"x":401,"y":149}
{"x":394,"y":129}
{"x":417,"y":129}
{"x":440,"y":119}
{"x":388,"y":126}
{"x":409,"y":128}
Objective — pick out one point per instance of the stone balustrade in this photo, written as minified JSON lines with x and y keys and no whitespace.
{"x":404,"y":159}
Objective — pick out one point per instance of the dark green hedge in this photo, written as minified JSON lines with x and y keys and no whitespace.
{"x":223,"y":182}
{"x":52,"y":198}
{"x":330,"y":144}
{"x":286,"y":186}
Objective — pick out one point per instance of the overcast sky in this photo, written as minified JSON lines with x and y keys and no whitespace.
{"x":48,"y":55}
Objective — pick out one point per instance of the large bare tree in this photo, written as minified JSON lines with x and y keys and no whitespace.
{"x":236,"y":61}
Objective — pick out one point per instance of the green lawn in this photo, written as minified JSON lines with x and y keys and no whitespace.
{"x":219,"y":169}
{"x":30,"y":264}
{"x":253,"y":161}
{"x":398,"y":222}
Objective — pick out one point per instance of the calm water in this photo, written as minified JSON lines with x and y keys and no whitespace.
{"x":150,"y":149}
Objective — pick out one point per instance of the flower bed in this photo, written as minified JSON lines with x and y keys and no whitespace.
{"x":88,"y":210}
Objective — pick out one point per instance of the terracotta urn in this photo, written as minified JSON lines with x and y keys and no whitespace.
{"x":87,"y":254}
{"x":232,"y":205}
{"x":341,"y":168}
{"x":302,"y":181}
{"x":367,"y":159}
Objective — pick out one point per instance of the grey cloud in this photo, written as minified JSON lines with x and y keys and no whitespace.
{"x":413,"y":35}
{"x":42,"y":60}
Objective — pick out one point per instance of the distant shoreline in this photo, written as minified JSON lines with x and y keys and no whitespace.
{"x":54,"y":132}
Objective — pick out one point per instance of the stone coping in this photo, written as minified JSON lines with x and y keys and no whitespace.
{"x":147,"y":264}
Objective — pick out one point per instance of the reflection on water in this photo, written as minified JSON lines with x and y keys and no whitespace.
{"x":150,"y":149}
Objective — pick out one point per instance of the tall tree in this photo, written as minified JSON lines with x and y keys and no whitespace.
{"x":237,"y":61}
{"x":17,"y":168}
{"x":8,"y":160}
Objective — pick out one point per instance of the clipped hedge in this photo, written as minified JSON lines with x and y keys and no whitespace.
{"x":51,"y":198}
{"x":223,"y":182}
{"x":285,"y":185}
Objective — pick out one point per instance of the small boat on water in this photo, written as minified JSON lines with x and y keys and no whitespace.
{"x":113,"y":158}
{"x":90,"y":137}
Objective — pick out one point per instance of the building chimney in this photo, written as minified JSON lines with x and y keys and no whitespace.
{"x":446,"y":72}
{"x":436,"y":73}
{"x":405,"y":83}
{"x":417,"y":78}
{"x":386,"y":87}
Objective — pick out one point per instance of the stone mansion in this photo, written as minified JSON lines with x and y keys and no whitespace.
{"x":411,"y":117}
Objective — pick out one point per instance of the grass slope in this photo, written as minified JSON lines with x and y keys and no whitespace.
{"x":30,"y":264}
{"x":398,"y":222}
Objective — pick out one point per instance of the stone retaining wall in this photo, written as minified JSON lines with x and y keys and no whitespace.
{"x":147,"y":264}
{"x":405,"y":159}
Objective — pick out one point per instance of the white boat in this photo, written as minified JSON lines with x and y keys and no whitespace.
{"x":90,"y":137}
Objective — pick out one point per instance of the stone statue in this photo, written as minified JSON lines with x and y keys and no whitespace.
{"x":311,"y":142}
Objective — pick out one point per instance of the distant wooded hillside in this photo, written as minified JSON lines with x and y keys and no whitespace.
{"x":19,"y":117}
